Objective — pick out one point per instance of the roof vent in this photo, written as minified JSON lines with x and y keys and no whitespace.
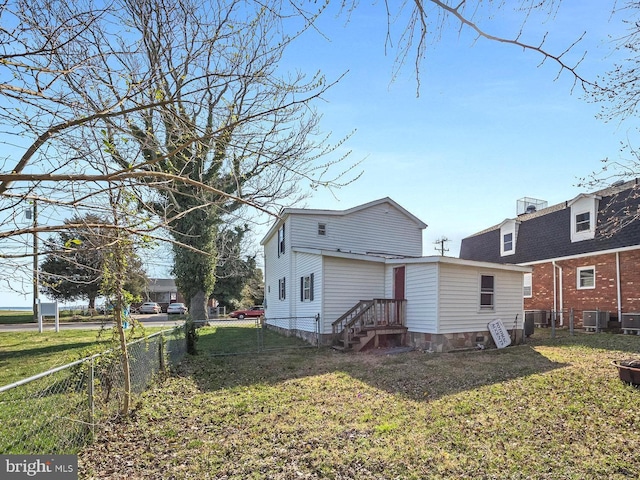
{"x":617,"y":183}
{"x":530,"y":205}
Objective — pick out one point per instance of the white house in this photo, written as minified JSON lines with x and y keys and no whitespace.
{"x":361,"y":274}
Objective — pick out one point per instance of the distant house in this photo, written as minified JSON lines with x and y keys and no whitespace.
{"x":361,"y":274}
{"x":585,"y":252}
{"x":162,"y":291}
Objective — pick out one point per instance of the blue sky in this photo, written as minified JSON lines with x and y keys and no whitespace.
{"x":489,"y":126}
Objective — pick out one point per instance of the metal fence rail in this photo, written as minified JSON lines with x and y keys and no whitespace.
{"x":55,"y":412}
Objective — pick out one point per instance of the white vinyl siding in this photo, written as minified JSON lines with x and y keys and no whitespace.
{"x":459,"y":292}
{"x":346,"y":282}
{"x":421,"y":292}
{"x":276,"y":268}
{"x":378,"y":229}
{"x":305,"y":265}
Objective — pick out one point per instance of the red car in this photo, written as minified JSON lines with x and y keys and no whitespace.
{"x":255,"y":311}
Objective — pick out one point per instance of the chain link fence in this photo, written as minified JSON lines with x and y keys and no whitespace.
{"x":56,"y":412}
{"x":588,"y":320}
{"x":257,"y":335}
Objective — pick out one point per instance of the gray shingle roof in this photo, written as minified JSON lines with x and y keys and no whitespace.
{"x":546,"y":234}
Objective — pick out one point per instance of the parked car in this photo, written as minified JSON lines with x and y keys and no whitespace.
{"x":255,"y":311}
{"x":150,"y":307}
{"x":179,"y":308}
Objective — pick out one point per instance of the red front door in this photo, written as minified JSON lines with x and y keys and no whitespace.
{"x":398,"y":283}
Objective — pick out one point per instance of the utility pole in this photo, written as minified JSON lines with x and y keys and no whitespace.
{"x":440,"y":245}
{"x":36,"y":279}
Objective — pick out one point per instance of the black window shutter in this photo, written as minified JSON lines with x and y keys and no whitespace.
{"x":302,"y":289}
{"x":311,"y":292}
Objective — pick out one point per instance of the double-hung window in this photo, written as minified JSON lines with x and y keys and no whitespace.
{"x":586,"y":277}
{"x":583,"y":222}
{"x":281,"y":243}
{"x":527,"y":290}
{"x":507,"y":242}
{"x":487,"y":292}
{"x":282,"y":289}
{"x":306,"y":288}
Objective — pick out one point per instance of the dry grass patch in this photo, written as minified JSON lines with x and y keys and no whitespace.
{"x":551,"y":409}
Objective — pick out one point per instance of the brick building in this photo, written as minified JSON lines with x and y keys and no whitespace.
{"x":585,"y":252}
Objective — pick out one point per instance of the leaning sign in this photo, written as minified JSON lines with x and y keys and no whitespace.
{"x":499,"y":333}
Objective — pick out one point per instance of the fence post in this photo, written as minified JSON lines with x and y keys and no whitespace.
{"x":571,"y":321}
{"x":91,"y":402}
{"x":163,"y":367}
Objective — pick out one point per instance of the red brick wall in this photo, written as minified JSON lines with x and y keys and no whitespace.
{"x":603,"y":297}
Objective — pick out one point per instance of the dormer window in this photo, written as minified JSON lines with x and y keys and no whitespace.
{"x":508,"y":234}
{"x":584,"y":211}
{"x":583,"y":222}
{"x":507,"y":242}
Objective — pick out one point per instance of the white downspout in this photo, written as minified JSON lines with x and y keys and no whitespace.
{"x":618,"y":287}
{"x":555,"y":290}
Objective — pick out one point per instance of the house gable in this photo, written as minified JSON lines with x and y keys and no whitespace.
{"x":378,"y":227}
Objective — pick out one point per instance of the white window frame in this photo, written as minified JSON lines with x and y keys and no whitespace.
{"x":579,"y":271}
{"x":282,"y":288}
{"x":281,"y":240}
{"x":486,"y":291}
{"x":508,"y":228}
{"x":584,"y":205}
{"x":527,"y":285}
{"x":322,"y":229}
{"x":580,"y":225}
{"x":507,"y":243}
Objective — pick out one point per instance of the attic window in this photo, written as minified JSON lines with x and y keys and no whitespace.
{"x":507,"y":242}
{"x":508,"y":235}
{"x":583,"y":222}
{"x":281,"y":246}
{"x":322,"y":229}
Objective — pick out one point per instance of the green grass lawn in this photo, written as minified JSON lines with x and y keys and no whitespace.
{"x":23,"y":354}
{"x":552,"y":409}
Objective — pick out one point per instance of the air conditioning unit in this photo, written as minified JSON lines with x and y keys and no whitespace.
{"x":538,"y":317}
{"x":595,"y":320}
{"x":630,"y":323}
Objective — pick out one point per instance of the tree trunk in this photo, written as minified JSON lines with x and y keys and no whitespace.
{"x":126,"y":372}
{"x":198,"y":308}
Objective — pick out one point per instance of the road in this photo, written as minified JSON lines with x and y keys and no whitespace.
{"x":157,"y":320}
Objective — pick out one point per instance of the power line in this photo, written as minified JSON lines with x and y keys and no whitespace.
{"x":440,"y":245}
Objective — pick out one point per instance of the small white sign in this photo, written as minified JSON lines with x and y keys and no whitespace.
{"x":499,"y":333}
